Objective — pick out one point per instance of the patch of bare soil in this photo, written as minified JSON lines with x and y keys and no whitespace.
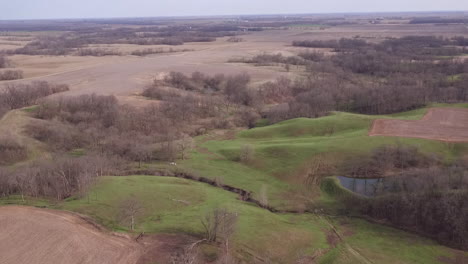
{"x":160,"y":248}
{"x":332,"y":239}
{"x":32,"y":235}
{"x":42,"y":236}
{"x":445,"y":124}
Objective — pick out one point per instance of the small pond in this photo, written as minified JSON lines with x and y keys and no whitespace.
{"x":367,"y":187}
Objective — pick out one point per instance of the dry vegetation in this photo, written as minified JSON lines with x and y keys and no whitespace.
{"x":15,"y":96}
{"x":393,"y":76}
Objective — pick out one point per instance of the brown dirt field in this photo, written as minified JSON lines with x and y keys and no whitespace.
{"x":125,"y":76}
{"x":32,"y":235}
{"x":43,"y":236}
{"x":445,"y":124}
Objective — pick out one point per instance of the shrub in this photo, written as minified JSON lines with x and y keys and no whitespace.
{"x":9,"y":75}
{"x":11,"y":151}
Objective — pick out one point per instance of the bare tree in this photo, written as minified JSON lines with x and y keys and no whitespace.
{"x":4,"y":62}
{"x":247,"y":153}
{"x":130,"y":210}
{"x":11,"y":75}
{"x":185,"y":145}
{"x":219,"y":224}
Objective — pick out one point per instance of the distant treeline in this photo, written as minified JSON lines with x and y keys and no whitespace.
{"x":439,"y":20}
{"x":392,"y":76}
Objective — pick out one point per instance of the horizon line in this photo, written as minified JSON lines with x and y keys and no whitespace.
{"x":238,"y":15}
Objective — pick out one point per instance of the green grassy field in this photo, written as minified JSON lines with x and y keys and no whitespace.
{"x":283,"y":153}
{"x":286,"y":150}
{"x":275,"y":238}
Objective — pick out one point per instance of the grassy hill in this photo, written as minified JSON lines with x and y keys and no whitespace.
{"x":283,"y":154}
{"x":286,"y":151}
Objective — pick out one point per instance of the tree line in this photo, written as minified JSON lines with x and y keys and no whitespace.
{"x":76,"y":41}
{"x":416,"y":192}
{"x":392,"y":76}
{"x":14,"y":96}
{"x":57,"y":178}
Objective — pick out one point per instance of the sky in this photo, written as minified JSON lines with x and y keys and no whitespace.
{"x":43,"y":9}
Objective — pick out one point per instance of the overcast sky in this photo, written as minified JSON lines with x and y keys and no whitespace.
{"x":30,"y":9}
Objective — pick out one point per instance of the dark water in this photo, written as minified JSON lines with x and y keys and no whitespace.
{"x":367,"y":187}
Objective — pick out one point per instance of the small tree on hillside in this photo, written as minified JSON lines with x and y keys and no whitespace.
{"x":247,"y":153}
{"x":130,"y":209}
{"x":185,"y":145}
{"x":219,"y":224}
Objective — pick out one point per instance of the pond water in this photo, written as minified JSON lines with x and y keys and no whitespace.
{"x":367,"y":187}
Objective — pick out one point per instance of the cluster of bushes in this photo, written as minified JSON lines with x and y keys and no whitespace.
{"x":11,"y":150}
{"x":99,"y":124}
{"x":144,"y":52}
{"x":58,"y":178}
{"x":234,"y":90}
{"x":196,"y":82}
{"x":98,"y":52}
{"x":200,"y":96}
{"x":15,"y":96}
{"x":10,"y":75}
{"x":4,"y":62}
{"x":388,"y":160}
{"x":269,"y":59}
{"x":51,"y":45}
{"x":338,"y":45}
{"x":235,"y":39}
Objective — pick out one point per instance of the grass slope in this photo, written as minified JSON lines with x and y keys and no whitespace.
{"x":285,"y":151}
{"x":175,"y":205}
{"x":261,"y":235}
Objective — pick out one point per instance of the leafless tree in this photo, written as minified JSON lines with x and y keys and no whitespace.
{"x":219,"y":225}
{"x":247,"y":153}
{"x":11,"y":75}
{"x":185,"y":145}
{"x":129,"y":210}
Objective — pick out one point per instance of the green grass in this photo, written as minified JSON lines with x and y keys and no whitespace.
{"x":276,"y":238}
{"x":283,"y":152}
{"x":258,"y":229}
{"x":31,"y":109}
{"x":385,"y":245}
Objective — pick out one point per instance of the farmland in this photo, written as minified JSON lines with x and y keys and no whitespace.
{"x":219,"y":140}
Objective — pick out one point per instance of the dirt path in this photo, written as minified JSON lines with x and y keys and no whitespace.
{"x":445,"y":124}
